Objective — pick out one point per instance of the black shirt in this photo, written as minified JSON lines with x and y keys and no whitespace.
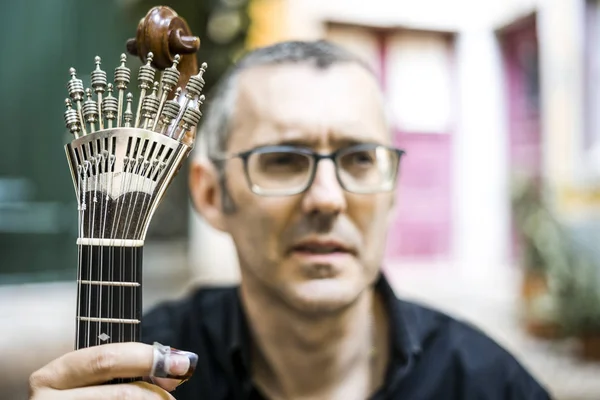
{"x":432,"y":356}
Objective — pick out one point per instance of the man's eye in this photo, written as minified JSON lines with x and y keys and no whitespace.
{"x":362,"y":158}
{"x":284,"y":161}
{"x":279,"y":159}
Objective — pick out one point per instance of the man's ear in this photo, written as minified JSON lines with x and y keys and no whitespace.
{"x":206,"y":192}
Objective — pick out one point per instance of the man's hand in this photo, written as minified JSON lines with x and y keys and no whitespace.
{"x":82,"y":374}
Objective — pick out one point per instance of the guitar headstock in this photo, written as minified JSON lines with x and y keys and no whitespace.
{"x":125,"y":151}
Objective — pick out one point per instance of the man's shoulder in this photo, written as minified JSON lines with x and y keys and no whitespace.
{"x":458,"y":334}
{"x":479,"y":362}
{"x":170,"y":319}
{"x":434,"y":327}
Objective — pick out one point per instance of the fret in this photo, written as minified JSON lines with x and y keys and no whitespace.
{"x":110,"y":320}
{"x":106,"y":283}
{"x":110,"y":242}
{"x":95,"y":333}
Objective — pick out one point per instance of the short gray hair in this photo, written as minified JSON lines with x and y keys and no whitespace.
{"x":215,"y":128}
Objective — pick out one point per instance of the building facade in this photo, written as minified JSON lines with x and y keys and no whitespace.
{"x":478,"y":92}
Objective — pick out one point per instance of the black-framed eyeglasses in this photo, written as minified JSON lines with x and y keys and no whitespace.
{"x":289,"y":170}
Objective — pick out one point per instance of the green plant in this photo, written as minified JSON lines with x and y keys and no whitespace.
{"x":571,"y":269}
{"x":548,"y":246}
{"x":576,"y":289}
{"x":528,"y":217}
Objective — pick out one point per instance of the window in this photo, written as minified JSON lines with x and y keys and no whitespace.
{"x":592,"y":85}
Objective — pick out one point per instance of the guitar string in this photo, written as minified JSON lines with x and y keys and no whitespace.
{"x":109,"y":201}
{"x":79,"y":255}
{"x":147,"y":157}
{"x":98,"y":249}
{"x":114,"y":232}
{"x":154,"y":168}
{"x":147,"y":168}
{"x":103,"y":213}
{"x":123,"y":250}
{"x":94,"y":205}
{"x":122,"y":255}
{"x":115,"y":267}
{"x":86,"y":164}
{"x":148,"y":191}
{"x":114,"y":196}
{"x":128,"y":218}
{"x":109,"y":174}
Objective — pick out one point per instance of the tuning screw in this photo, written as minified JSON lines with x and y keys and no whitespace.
{"x":150,"y":106}
{"x":145,"y":79}
{"x":110,"y":106}
{"x":76,"y":92}
{"x":146,"y":73}
{"x":170,"y":111}
{"x":169,"y":80}
{"x":128,"y":114}
{"x":196,"y":82}
{"x":98,"y":78}
{"x":170,"y":76}
{"x":192,"y":90}
{"x":71,"y":119}
{"x":122,"y":79}
{"x":90,"y":110}
{"x":191,"y":118}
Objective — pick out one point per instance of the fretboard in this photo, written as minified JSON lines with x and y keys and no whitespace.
{"x":109,"y":295}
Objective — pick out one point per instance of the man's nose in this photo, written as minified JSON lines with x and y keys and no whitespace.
{"x":325,"y":195}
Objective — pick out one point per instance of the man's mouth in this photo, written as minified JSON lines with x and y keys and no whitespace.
{"x":321,"y":247}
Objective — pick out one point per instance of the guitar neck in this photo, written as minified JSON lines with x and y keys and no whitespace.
{"x":109,"y":293}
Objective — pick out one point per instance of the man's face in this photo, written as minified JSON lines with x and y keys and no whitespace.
{"x":318,"y":250}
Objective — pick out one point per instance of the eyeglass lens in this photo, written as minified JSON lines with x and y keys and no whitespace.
{"x":286,"y":171}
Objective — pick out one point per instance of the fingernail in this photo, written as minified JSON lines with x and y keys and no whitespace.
{"x":182,"y":364}
{"x":179,"y":364}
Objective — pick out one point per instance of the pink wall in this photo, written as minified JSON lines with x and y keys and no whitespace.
{"x":422,"y":229}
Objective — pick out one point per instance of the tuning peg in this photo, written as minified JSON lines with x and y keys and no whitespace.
{"x":196,"y":83}
{"x":150,"y":106}
{"x":76,"y":92}
{"x":128,"y":114}
{"x":71,"y":119}
{"x":192,"y":90}
{"x":122,"y":79}
{"x":170,"y":111}
{"x":110,"y":106}
{"x":99,"y":81}
{"x":169,"y":80}
{"x":90,"y":110}
{"x":145,"y":80}
{"x":191,"y":118}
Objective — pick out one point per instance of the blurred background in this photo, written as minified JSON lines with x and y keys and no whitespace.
{"x":496,"y":103}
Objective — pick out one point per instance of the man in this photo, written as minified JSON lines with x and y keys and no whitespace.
{"x":301,"y":173}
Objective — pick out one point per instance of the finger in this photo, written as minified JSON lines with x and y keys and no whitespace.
{"x":95,"y":365}
{"x":130,"y":391}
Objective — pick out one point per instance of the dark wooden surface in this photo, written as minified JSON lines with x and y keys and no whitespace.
{"x":164,"y":33}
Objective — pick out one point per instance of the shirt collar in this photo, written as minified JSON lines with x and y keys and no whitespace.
{"x":403,"y":319}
